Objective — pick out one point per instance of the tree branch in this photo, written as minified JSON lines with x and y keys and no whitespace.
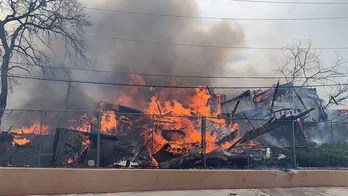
{"x":305,"y":66}
{"x":19,"y":67}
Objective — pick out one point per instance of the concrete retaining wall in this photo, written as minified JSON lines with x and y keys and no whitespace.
{"x":19,"y":181}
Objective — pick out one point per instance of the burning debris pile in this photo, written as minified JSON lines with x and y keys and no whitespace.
{"x":171,"y":128}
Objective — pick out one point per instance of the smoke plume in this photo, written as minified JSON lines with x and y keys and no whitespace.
{"x":130,"y":56}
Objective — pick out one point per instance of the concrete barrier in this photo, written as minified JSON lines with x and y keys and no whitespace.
{"x":19,"y":181}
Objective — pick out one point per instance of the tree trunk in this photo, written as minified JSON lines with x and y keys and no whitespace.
{"x":4,"y":85}
{"x":68,"y":95}
{"x":4,"y":70}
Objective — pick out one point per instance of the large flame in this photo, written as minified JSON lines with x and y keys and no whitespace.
{"x":34,"y":129}
{"x":177,"y":110}
{"x":175,"y":116}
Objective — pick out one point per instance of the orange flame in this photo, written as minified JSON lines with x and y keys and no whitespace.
{"x":344,"y":111}
{"x":69,"y":161}
{"x":195,"y":105}
{"x":108,"y":122}
{"x":177,"y":107}
{"x":86,"y":141}
{"x":34,"y":129}
{"x":84,"y":124}
{"x":20,"y":141}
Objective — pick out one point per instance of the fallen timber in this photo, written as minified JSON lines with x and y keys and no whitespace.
{"x":271,"y":125}
{"x":77,"y":145}
{"x":221,"y":157}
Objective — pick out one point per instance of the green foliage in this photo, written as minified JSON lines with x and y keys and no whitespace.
{"x":325,"y":155}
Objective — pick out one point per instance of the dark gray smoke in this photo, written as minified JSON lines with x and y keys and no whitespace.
{"x":128,"y":56}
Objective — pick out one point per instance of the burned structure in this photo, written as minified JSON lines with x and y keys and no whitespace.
{"x":259,"y":106}
{"x":206,"y":130}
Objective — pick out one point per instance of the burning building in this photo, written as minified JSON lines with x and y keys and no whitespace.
{"x":282,"y":98}
{"x":173,"y":128}
{"x":259,"y":106}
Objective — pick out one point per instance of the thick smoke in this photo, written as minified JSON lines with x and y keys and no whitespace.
{"x":129,"y":56}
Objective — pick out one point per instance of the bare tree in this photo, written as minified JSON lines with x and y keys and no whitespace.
{"x":28,"y":29}
{"x":305,"y":67}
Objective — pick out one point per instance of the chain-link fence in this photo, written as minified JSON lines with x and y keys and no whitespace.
{"x":109,"y":139}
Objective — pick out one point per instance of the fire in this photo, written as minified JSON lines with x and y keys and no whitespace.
{"x":138,"y":80}
{"x":108,"y":121}
{"x":167,"y":109}
{"x":84,"y":124}
{"x":69,"y":161}
{"x":86,"y":141}
{"x":176,"y":118}
{"x":252,"y":144}
{"x":344,"y":111}
{"x":234,"y":128}
{"x":20,"y":141}
{"x":301,"y":127}
{"x":33,"y":129}
{"x":264,"y":95}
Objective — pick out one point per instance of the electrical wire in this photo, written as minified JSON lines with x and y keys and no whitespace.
{"x":175,"y":76}
{"x":163,"y":86}
{"x":207,"y":46}
{"x":293,"y":2}
{"x":216,"y":18}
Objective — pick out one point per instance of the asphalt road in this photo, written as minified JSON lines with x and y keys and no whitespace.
{"x":320,"y":191}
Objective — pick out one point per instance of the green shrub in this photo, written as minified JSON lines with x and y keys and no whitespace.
{"x":324,"y":155}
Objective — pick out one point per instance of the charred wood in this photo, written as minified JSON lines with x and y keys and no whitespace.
{"x":125,"y":109}
{"x":173,"y":135}
{"x":299,"y":98}
{"x":268,"y":127}
{"x":235,"y":108}
{"x":211,"y":92}
{"x":182,"y":162}
{"x":142,"y":149}
{"x":164,"y":154}
{"x":274,"y":98}
{"x":227,"y":138}
{"x":6,"y":137}
{"x":91,"y":135}
{"x":246,"y":118}
{"x":6,"y":148}
{"x":72,"y":144}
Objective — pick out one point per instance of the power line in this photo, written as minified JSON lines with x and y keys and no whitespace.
{"x":292,"y":2}
{"x":163,"y":86}
{"x":206,"y":46}
{"x":177,"y":76}
{"x":216,"y":18}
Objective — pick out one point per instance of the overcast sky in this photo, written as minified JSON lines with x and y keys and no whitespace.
{"x":325,"y":33}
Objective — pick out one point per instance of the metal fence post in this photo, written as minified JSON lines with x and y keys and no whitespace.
{"x":98,"y":139}
{"x":204,"y":144}
{"x":152,"y":139}
{"x":40,"y":140}
{"x":332,"y":134}
{"x":294,"y":143}
{"x":293,"y":125}
{"x":248,"y":146}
